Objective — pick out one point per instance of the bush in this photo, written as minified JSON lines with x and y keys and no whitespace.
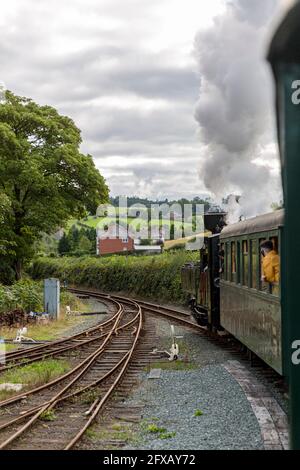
{"x":28,"y":295}
{"x":156,"y":277}
{"x":24,"y":294}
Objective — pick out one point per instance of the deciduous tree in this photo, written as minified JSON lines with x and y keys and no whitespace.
{"x":43,"y":174}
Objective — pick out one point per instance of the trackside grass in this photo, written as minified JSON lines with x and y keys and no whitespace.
{"x":33,"y":375}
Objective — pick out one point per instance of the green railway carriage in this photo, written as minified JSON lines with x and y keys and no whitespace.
{"x":226,"y":290}
{"x":250,"y":309}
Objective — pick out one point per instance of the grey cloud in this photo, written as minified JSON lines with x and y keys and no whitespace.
{"x":113,"y":60}
{"x":27,"y":43}
{"x":159,"y":184}
{"x":108,"y":61}
{"x":159,"y":126}
{"x":256,"y":12}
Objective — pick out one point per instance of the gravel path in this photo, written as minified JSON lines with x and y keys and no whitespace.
{"x":171,"y":402}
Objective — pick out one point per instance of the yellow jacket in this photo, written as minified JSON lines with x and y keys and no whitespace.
{"x":271,"y":267}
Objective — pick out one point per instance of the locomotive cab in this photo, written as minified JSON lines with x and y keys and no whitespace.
{"x":201,"y":281}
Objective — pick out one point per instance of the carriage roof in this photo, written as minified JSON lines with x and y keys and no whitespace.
{"x":262,"y":223}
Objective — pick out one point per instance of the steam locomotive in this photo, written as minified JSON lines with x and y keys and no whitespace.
{"x":226,"y":291}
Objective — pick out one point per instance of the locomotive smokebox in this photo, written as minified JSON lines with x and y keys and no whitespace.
{"x":215,"y":221}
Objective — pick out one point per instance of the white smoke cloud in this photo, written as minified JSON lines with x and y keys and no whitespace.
{"x":235,"y":110}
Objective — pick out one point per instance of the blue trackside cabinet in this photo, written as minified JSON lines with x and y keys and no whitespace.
{"x":284,"y":56}
{"x":52,"y":298}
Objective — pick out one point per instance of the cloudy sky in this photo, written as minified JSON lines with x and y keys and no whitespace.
{"x":152,"y":85}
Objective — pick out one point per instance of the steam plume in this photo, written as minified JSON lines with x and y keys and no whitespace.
{"x":235,"y":108}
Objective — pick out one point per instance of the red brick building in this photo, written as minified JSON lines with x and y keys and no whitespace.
{"x":114,"y":240}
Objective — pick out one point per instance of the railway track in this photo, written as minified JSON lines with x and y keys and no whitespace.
{"x":53,"y":413}
{"x":57,"y":409}
{"x":261,"y":384}
{"x":227,"y":342}
{"x":58,"y":347}
{"x":56,"y":415}
{"x":160,"y":310}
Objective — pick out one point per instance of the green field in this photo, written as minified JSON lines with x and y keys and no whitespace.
{"x":135,"y":223}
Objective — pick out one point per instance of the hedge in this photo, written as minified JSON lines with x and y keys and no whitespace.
{"x":156,"y":277}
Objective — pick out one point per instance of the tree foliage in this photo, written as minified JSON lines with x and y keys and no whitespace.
{"x":6,"y":246}
{"x":43,"y":175}
{"x":132,"y":200}
{"x":78,"y":242}
{"x":4,"y":210}
{"x":64,"y":245}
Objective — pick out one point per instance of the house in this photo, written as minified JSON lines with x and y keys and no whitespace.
{"x":113,"y":239}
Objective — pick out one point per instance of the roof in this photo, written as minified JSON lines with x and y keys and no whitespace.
{"x":262,"y":223}
{"x":147,"y":247}
{"x":169,"y":244}
{"x":215,"y":213}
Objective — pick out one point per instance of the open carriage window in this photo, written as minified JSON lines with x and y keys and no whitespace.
{"x":275,"y":288}
{"x":270,"y":266}
{"x":274,"y":240}
{"x":263,"y":285}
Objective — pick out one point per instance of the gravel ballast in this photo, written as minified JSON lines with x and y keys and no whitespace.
{"x":89,"y":321}
{"x":172,"y":401}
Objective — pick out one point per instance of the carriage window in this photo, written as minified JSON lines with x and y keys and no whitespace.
{"x":238,"y":262}
{"x":267,"y":285}
{"x":245,"y":262}
{"x":263,"y":286}
{"x":222,"y":260}
{"x":233,"y":261}
{"x":254,"y":264}
{"x":274,"y":240}
{"x":275,"y":289}
{"x":227,"y":262}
